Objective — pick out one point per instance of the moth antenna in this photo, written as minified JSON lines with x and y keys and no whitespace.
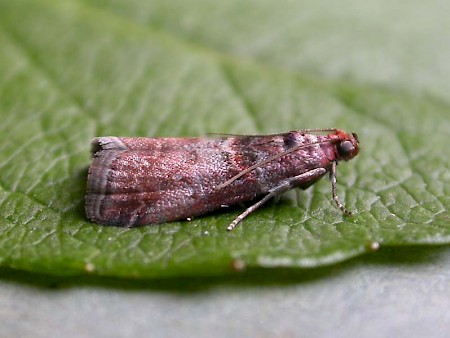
{"x":317,"y":130}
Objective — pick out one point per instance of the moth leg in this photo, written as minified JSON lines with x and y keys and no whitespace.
{"x":278,"y":190}
{"x":333,"y":174}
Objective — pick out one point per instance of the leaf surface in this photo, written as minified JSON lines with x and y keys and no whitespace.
{"x":73,"y":70}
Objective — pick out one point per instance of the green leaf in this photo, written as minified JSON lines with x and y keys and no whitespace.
{"x":73,"y":70}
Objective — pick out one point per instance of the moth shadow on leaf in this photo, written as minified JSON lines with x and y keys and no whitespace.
{"x":78,"y":192}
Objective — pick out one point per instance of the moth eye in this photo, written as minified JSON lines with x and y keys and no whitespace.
{"x":346,"y":148}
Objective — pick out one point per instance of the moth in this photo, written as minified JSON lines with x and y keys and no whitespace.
{"x":135,"y":181}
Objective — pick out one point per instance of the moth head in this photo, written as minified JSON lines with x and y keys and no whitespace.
{"x":348,"y":146}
